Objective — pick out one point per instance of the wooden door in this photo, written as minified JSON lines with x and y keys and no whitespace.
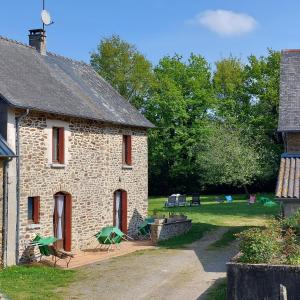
{"x":62,"y":221}
{"x":120,"y":210}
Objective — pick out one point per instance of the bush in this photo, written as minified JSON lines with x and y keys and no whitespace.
{"x":258,"y":246}
{"x":275,"y":244}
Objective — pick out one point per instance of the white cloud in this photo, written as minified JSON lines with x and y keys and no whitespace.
{"x":225,"y":22}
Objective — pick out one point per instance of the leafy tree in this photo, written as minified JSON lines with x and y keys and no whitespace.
{"x":179,"y":105}
{"x":121,"y":64}
{"x":227,"y":158}
{"x":233,"y":103}
{"x":262,"y":86}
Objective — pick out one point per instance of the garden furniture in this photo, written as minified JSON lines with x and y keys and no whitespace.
{"x":252,"y":199}
{"x":181,"y":200}
{"x":228,"y":199}
{"x":46,"y":248}
{"x":110,"y":236}
{"x":144,"y":230}
{"x":171,"y":202}
{"x":195,"y":200}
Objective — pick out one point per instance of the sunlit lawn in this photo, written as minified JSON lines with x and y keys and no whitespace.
{"x":211,"y":215}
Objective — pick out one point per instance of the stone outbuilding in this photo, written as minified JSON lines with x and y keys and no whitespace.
{"x":82,"y":153}
{"x":288,"y":185}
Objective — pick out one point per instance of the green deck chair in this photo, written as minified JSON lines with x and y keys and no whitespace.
{"x":46,"y":248}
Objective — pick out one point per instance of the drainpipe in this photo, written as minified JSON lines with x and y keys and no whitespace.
{"x":18,"y":121}
{"x":5,"y":210}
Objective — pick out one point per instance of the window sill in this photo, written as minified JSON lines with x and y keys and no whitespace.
{"x":33,"y":226}
{"x":57,"y":166}
{"x":126,"y":167}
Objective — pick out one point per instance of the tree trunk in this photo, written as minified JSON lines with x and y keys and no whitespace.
{"x":246,"y":190}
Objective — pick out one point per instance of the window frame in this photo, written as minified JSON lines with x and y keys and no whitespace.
{"x":58,"y":148}
{"x":127,"y":150}
{"x":35,"y":218}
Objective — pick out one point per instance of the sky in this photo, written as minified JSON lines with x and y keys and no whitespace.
{"x":213,"y":28}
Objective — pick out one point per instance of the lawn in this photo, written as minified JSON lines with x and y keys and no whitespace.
{"x":34,"y":282}
{"x":38,"y":282}
{"x":211,"y":215}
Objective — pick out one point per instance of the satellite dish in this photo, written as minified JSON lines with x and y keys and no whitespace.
{"x":46,"y":19}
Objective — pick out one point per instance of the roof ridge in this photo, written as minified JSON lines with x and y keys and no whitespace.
{"x":68,"y":58}
{"x":48,"y":52}
{"x":15,"y":42}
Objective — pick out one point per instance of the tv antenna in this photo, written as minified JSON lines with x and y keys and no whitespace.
{"x":45,"y":16}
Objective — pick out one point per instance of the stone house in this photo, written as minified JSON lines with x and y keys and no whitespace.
{"x":288,"y":190}
{"x":82,"y":154}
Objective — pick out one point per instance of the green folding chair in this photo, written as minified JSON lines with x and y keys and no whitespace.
{"x":110,"y":236}
{"x":144,"y":230}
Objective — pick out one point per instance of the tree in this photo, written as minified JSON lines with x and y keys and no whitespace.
{"x":179,"y":105}
{"x":125,"y":68}
{"x":228,"y":158}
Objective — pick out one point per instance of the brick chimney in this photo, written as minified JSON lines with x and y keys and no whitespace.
{"x":37,"y":39}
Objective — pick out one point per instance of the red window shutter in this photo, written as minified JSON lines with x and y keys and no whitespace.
{"x":61,"y":145}
{"x":68,"y":223}
{"x":124,"y":211}
{"x":128,"y":150}
{"x":36,"y":210}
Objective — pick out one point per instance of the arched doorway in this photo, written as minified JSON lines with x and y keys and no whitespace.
{"x":62,"y":220}
{"x":120,"y":210}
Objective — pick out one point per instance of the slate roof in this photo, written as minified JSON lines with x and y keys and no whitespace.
{"x":289,"y":177}
{"x":60,"y":85}
{"x":289,"y":108}
{"x":5,"y":151}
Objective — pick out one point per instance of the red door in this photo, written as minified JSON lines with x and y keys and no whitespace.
{"x":62,"y":221}
{"x":120,"y":210}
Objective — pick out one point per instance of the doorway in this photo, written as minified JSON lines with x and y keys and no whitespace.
{"x":62,"y":219}
{"x":120,"y":210}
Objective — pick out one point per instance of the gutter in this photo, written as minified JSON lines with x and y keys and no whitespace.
{"x":18,"y":121}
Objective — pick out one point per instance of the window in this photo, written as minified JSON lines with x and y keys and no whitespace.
{"x":34,"y":210}
{"x":58,"y":145}
{"x":127,"y":159}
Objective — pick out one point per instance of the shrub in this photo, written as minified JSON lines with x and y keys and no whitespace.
{"x":290,"y":248}
{"x":292,"y":222}
{"x":259,"y":245}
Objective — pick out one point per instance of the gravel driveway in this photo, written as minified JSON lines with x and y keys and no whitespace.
{"x":155,"y":274}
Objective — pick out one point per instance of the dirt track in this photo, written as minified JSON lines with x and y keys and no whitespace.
{"x":154,"y":274}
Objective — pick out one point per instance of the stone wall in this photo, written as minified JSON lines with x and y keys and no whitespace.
{"x":1,"y":209}
{"x":248,"y":282}
{"x":161,"y":232}
{"x":293,"y":142}
{"x":92,"y":173}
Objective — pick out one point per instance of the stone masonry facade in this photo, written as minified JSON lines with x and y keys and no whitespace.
{"x":293,"y":142}
{"x":93,"y":171}
{"x":1,"y":208}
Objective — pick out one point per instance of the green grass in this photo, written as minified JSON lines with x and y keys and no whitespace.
{"x":34,"y":282}
{"x":194,"y":234}
{"x":228,"y":237}
{"x":217,"y":291}
{"x":211,"y":215}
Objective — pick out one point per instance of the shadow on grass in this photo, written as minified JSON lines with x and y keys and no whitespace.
{"x":196,"y":233}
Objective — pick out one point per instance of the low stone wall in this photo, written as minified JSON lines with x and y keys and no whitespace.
{"x":161,"y":232}
{"x":248,"y":282}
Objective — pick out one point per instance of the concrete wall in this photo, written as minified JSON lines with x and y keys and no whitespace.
{"x":92,"y":173}
{"x":249,"y":282}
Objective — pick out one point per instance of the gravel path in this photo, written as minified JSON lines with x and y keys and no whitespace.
{"x":155,"y":274}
